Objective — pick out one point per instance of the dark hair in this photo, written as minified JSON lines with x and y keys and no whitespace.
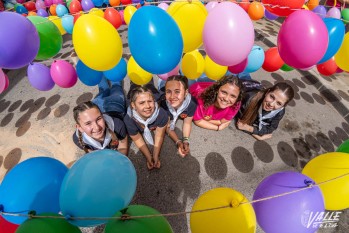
{"x":209,"y":95}
{"x":179,"y":78}
{"x":139,"y":90}
{"x":250,"y":113}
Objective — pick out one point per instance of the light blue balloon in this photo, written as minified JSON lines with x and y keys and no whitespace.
{"x":68,"y":23}
{"x":97,"y":2}
{"x":32,"y":185}
{"x":336,"y":32}
{"x":87,"y":75}
{"x":98,"y":185}
{"x":117,"y":73}
{"x":155,"y":40}
{"x":255,"y":59}
{"x":61,"y":10}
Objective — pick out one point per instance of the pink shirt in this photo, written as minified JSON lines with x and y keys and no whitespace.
{"x":330,"y":3}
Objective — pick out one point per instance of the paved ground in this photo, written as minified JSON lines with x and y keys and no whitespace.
{"x":34,"y":123}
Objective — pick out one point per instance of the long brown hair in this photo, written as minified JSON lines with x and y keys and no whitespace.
{"x":250,"y":113}
{"x":209,"y":95}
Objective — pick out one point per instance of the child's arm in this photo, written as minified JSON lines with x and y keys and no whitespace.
{"x":123,"y":146}
{"x":207,"y":125}
{"x":140,"y":143}
{"x":159,"y":139}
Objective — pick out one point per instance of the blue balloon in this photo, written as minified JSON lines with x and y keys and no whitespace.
{"x":117,"y":73}
{"x":98,"y":185}
{"x":255,"y":59}
{"x":97,"y":2}
{"x":155,"y":40}
{"x":87,"y":75}
{"x":21,"y":9}
{"x":68,"y":23}
{"x":336,"y":32}
{"x":61,"y":10}
{"x":32,"y":185}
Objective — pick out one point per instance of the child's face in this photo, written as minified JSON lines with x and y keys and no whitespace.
{"x":175,"y":93}
{"x":227,"y":95}
{"x":274,"y":100}
{"x":144,"y":105}
{"x":92,"y":123}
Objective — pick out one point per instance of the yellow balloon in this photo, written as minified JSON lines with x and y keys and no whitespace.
{"x":190,"y":18}
{"x":326,"y":167}
{"x":342,"y":56}
{"x":136,"y":73}
{"x":193,"y":64}
{"x":58,"y":22}
{"x":213,"y":70}
{"x":237,"y":218}
{"x":96,"y":42}
{"x":96,"y":11}
{"x":128,"y":13}
{"x":305,"y":7}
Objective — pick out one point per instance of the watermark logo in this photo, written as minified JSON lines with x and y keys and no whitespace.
{"x":323,"y":219}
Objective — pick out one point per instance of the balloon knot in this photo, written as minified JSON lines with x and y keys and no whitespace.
{"x":234,"y":203}
{"x":142,"y":2}
{"x":309,"y":183}
{"x":67,"y":217}
{"x":31,"y":213}
{"x":125,"y":217}
{"x":1,"y":208}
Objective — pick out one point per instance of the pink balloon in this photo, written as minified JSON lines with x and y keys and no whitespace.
{"x":121,"y":12}
{"x":302,"y":39}
{"x":339,"y":70}
{"x":4,"y":82}
{"x":63,"y":74}
{"x":235,"y":69}
{"x":163,"y":6}
{"x":57,"y":2}
{"x":20,"y":1}
{"x":308,"y":68}
{"x":228,"y":34}
{"x":40,"y":5}
{"x":334,"y":12}
{"x":172,"y":72}
{"x":211,"y":5}
{"x":48,"y":2}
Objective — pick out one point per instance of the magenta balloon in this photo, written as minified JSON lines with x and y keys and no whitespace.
{"x":40,"y":5}
{"x":20,"y":1}
{"x":19,"y":41}
{"x":228,"y":34}
{"x":172,"y":72}
{"x":303,"y":39}
{"x":211,"y":5}
{"x":334,"y":12}
{"x":48,"y":3}
{"x":57,"y":2}
{"x":3,"y":81}
{"x":163,"y":6}
{"x":235,"y":69}
{"x":121,"y":12}
{"x":307,"y":68}
{"x":63,"y":74}
{"x":42,"y":13}
{"x":39,"y":77}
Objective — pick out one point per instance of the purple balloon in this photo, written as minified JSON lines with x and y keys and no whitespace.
{"x":42,"y":13}
{"x":320,"y":11}
{"x":136,"y":1}
{"x":334,"y":12}
{"x":40,"y":5}
{"x":39,"y":77}
{"x":87,"y":5}
{"x":210,"y":5}
{"x":19,"y":41}
{"x":270,"y":16}
{"x":289,"y":213}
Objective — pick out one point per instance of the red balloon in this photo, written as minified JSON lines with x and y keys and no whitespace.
{"x":75,"y":7}
{"x":76,"y":16}
{"x":283,"y":7}
{"x":244,"y":4}
{"x":113,"y":17}
{"x":30,"y":6}
{"x":126,"y":2}
{"x":7,"y":227}
{"x":272,"y":61}
{"x":327,"y":68}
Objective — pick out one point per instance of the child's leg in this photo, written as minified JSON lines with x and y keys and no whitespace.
{"x":103,"y":88}
{"x":115,"y":102}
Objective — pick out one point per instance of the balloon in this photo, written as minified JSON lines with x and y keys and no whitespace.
{"x":171,"y":73}
{"x":334,"y":12}
{"x":63,"y":74}
{"x":99,"y":184}
{"x":87,"y":75}
{"x":336,"y":31}
{"x":118,"y":73}
{"x":345,"y":15}
{"x":121,"y":12}
{"x":21,"y":9}
{"x":312,"y":4}
{"x":162,"y":44}
{"x":58,"y":22}
{"x":30,"y":6}
{"x":96,"y":42}
{"x":344,"y":147}
{"x":48,"y":225}
{"x":4,"y":82}
{"x":139,"y":225}
{"x":190,"y":18}
{"x":97,"y":11}
{"x":53,"y":9}
{"x":286,"y":68}
{"x":210,"y":5}
{"x":244,"y":4}
{"x":193,"y":64}
{"x":163,"y":6}
{"x":327,"y":68}
{"x":77,"y":15}
{"x":7,"y":227}
{"x":256,"y":11}
{"x":87,"y":5}
{"x":113,"y":17}
{"x":19,"y":41}
{"x":235,"y":69}
{"x":308,"y":68}
{"x":126,"y":2}
{"x":326,"y":167}
{"x":33,"y":184}
{"x":61,"y":10}
{"x":320,"y":11}
{"x":50,"y":38}
{"x":39,"y":4}
{"x":255,"y":59}
{"x":136,"y":74}
{"x":285,"y":7}
{"x":39,"y":77}
{"x":342,"y":56}
{"x":128,"y":13}
{"x":290,"y":212}
{"x":48,"y":3}
{"x":97,"y":3}
{"x":272,"y":61}
{"x":213,"y":70}
{"x":310,"y":44}
{"x":237,"y":218}
{"x":58,"y":2}
{"x":220,"y":41}
{"x":75,"y":7}
{"x":42,"y":13}
{"x":114,"y":2}
{"x":68,"y":23}
{"x":270,"y":16}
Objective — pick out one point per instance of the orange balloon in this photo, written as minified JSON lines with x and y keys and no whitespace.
{"x":113,"y":17}
{"x":32,"y":13}
{"x":312,"y":4}
{"x":114,"y":2}
{"x":244,"y":4}
{"x":256,"y":11}
{"x":53,"y":9}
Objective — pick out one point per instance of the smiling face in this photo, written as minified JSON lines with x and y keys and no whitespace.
{"x":227,"y":96}
{"x":92,"y":123}
{"x":274,"y":100}
{"x":144,"y":105}
{"x":175,"y":93}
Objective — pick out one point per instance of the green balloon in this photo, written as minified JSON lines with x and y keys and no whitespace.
{"x":50,"y":37}
{"x":344,"y":147}
{"x":286,"y":67}
{"x":345,"y":15}
{"x":140,"y":225}
{"x":47,"y":225}
{"x":68,"y":3}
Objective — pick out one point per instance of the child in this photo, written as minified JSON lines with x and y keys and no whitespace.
{"x":262,"y":110}
{"x":143,"y":116}
{"x":218,"y":102}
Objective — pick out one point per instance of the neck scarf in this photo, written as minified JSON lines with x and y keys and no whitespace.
{"x":269,"y":115}
{"x":147,"y":134}
{"x":175,"y":113}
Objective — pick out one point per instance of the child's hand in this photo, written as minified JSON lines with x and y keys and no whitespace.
{"x":150,"y":164}
{"x":186,"y":148}
{"x":157,"y":163}
{"x":181,"y":150}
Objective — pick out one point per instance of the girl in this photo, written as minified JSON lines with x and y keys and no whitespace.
{"x":179,"y":104}
{"x":218,"y":102}
{"x":143,"y":116}
{"x":262,"y":110}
